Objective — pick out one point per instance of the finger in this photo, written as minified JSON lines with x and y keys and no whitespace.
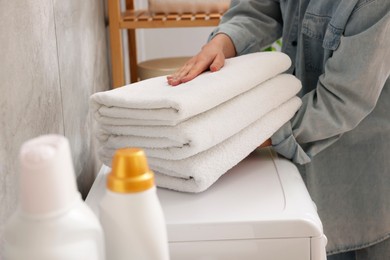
{"x":170,"y":79}
{"x":217,"y":63}
{"x":197,"y":69}
{"x":175,"y":79}
{"x":184,"y":71}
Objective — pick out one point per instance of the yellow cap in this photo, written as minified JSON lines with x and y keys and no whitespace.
{"x":130,"y":172}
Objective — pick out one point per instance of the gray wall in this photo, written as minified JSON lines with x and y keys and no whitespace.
{"x":53,"y":56}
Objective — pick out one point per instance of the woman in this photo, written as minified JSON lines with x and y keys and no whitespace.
{"x":340,"y":137}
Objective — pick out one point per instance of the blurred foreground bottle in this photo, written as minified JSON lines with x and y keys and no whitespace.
{"x":51,"y":221}
{"x":130,"y":212}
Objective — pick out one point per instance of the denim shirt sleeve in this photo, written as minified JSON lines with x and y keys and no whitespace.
{"x":347,"y":91}
{"x":251,"y":24}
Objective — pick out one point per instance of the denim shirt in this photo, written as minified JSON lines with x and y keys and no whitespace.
{"x":340,"y":137}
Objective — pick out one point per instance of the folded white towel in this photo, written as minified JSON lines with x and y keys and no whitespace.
{"x":153,"y":101}
{"x":198,"y":172}
{"x":204,"y":130}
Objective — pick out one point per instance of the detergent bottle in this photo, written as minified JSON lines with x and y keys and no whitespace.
{"x":130,"y":211}
{"x":51,"y":221}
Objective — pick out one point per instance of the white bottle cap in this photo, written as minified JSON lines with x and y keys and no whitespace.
{"x":47,"y":179}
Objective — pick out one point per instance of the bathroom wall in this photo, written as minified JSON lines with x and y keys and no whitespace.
{"x":53,"y":56}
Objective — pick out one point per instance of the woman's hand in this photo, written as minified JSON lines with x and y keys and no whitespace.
{"x":212,"y":56}
{"x":266,"y":143}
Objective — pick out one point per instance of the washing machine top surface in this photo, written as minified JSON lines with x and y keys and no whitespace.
{"x":262,"y":197}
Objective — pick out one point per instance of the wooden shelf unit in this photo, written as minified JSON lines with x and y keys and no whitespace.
{"x":131,"y":20}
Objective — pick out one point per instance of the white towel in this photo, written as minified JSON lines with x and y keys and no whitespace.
{"x":198,"y":172}
{"x":202,"y":131}
{"x":153,"y":101}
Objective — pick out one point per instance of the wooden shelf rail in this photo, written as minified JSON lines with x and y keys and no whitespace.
{"x":131,"y":20}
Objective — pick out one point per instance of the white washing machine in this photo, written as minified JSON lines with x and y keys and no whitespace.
{"x":260,"y":209}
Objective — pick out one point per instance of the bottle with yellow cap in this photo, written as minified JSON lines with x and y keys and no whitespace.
{"x":130,"y":212}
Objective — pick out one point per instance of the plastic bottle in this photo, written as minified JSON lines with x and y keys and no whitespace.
{"x":51,"y":221}
{"x":130,"y":212}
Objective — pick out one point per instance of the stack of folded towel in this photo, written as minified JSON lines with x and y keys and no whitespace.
{"x":195,"y":132}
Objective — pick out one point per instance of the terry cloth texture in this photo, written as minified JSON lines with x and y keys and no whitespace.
{"x":154,"y":102}
{"x":192,"y":134}
{"x":198,"y":172}
{"x":204,"y":130}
